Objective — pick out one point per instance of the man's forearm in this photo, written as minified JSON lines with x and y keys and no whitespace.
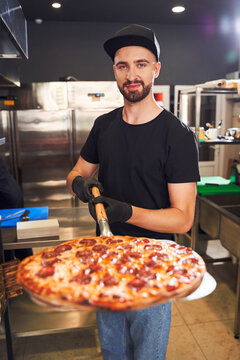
{"x":170,"y":220}
{"x":71,"y":176}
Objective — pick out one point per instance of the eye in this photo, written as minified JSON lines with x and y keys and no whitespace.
{"x":141,"y":65}
{"x":121,"y":67}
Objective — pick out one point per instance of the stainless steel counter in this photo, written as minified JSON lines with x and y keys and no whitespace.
{"x":73,"y":223}
{"x":219,"y":217}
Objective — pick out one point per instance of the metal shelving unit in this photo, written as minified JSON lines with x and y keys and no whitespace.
{"x":199,"y":91}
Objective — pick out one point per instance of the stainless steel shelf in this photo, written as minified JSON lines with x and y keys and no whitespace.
{"x":73,"y":223}
{"x":30,"y":319}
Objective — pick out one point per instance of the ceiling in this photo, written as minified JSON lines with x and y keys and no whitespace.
{"x":198,"y":12}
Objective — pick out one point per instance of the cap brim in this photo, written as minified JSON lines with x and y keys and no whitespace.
{"x":115,"y":43}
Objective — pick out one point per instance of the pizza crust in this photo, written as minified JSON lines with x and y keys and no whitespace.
{"x":117,"y":273}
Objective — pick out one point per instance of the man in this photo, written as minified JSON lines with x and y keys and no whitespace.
{"x":11,"y":198}
{"x":148,"y":168}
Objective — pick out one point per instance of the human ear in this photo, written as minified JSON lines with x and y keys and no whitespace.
{"x":157,"y":69}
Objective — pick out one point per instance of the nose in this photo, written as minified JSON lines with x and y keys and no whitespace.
{"x":131,"y":73}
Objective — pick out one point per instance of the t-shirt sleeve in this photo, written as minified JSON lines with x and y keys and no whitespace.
{"x":182,"y":161}
{"x":89,"y":150}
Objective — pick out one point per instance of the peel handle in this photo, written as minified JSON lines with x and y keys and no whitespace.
{"x":101,"y":215}
{"x":99,"y":208}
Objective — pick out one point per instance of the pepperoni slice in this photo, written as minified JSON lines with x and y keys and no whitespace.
{"x":123,"y":260}
{"x":134,"y":254}
{"x":113,"y":253}
{"x":62,"y":248}
{"x":170,"y":287}
{"x":113,"y":241}
{"x":127,"y":247}
{"x":170,"y":268}
{"x":83,"y":253}
{"x":46,"y":271}
{"x":174,"y":270}
{"x":109,"y":280}
{"x":92,"y":268}
{"x":122,"y":269}
{"x":48,"y":254}
{"x":185,"y":250}
{"x":82,"y":279}
{"x":190,"y":261}
{"x":151,"y":263}
{"x":137,"y":283}
{"x":146,"y":274}
{"x":153,"y":247}
{"x":142,"y":241}
{"x":50,"y":262}
{"x":159,"y":256}
{"x":100,"y":247}
{"x":88,"y":242}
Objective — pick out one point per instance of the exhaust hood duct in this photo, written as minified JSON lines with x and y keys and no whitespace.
{"x":13,"y":41}
{"x":13,"y":30}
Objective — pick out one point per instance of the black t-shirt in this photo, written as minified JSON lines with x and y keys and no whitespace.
{"x":136,"y":162}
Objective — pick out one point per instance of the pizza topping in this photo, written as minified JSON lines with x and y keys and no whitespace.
{"x":92,"y":268}
{"x":171,"y":287}
{"x":48,"y":254}
{"x":87,"y":259}
{"x":122,"y":269}
{"x":170,"y":268}
{"x":159,"y":256}
{"x":88,"y":242}
{"x":180,"y":271}
{"x":109,"y":280}
{"x":153,"y":247}
{"x":151,"y":263}
{"x":190,"y":261}
{"x":46,"y":271}
{"x":84,"y":253}
{"x":112,"y":241}
{"x":50,"y":262}
{"x":99,"y":248}
{"x":82,"y":279}
{"x":142,"y":241}
{"x":137,"y":283}
{"x":134,"y":254}
{"x":146,"y":274}
{"x":185,"y":250}
{"x":62,"y":248}
{"x":124,"y":259}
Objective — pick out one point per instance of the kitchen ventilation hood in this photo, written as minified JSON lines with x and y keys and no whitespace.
{"x":13,"y":40}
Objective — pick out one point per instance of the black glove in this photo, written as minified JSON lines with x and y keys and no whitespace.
{"x":82,"y":187}
{"x":117,"y":211}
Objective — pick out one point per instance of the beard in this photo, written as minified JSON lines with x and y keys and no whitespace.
{"x":135,"y":95}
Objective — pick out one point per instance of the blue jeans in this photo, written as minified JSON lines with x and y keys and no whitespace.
{"x":135,"y":335}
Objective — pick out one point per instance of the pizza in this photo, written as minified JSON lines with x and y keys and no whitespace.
{"x":115,"y":273}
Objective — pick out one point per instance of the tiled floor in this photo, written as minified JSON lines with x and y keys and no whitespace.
{"x":201,"y":329}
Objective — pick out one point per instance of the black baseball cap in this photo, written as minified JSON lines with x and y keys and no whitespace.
{"x":133,"y":35}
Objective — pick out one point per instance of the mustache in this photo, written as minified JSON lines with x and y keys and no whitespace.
{"x":133,"y":82}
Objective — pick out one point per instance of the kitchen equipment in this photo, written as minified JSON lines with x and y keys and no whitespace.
{"x":101,"y":215}
{"x":212,"y":133}
{"x":234,"y":132}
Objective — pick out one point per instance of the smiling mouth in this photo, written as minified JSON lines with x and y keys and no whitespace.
{"x":133,"y":86}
